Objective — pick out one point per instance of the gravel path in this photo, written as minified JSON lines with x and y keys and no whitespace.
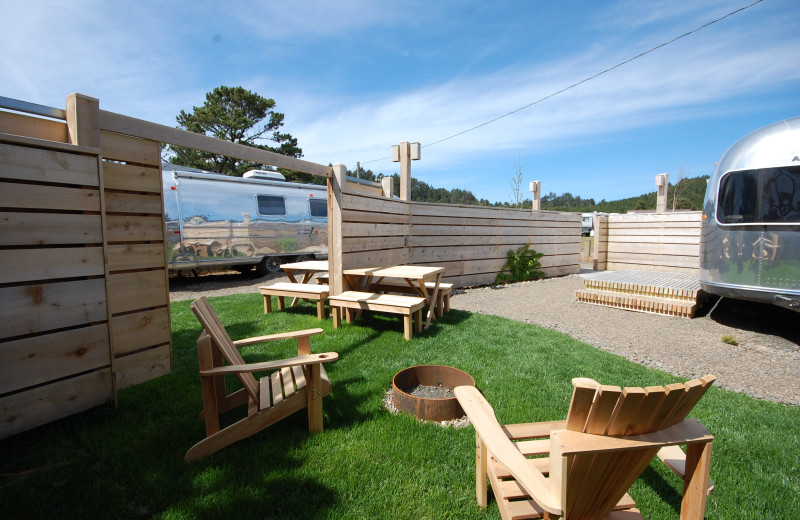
{"x":765,"y":364}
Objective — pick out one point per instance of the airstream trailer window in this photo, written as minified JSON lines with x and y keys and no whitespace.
{"x":271,"y":205}
{"x":764,"y":196}
{"x":318,"y":208}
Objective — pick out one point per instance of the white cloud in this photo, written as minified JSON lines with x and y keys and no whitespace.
{"x":662,"y":85}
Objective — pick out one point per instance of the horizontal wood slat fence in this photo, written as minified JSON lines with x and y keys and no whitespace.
{"x":83,"y":293}
{"x":84,"y":296}
{"x":653,"y":242}
{"x":470,"y":242}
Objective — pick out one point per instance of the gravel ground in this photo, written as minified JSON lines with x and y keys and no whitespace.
{"x":765,"y":364}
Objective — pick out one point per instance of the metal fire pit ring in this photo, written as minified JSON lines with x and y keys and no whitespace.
{"x":429,"y":375}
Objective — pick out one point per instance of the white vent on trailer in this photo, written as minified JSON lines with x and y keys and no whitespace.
{"x":264,"y":174}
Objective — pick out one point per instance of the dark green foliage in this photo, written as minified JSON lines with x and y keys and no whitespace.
{"x":240,"y":116}
{"x":523,"y":264}
{"x":690,"y":192}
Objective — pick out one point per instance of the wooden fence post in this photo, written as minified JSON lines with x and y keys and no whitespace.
{"x":600,"y":242}
{"x":404,"y":154}
{"x":662,"y":184}
{"x":536,"y":188}
{"x":388,"y":187}
{"x":83,"y":120}
{"x":336,"y":184}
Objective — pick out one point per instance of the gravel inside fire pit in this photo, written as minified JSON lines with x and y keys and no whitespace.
{"x":432,"y":392}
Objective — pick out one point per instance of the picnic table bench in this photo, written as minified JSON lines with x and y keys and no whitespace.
{"x":400,"y":286}
{"x":305,"y":291}
{"x":410,"y":307}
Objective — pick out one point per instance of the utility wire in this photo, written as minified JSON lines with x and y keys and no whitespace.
{"x":583,"y":80}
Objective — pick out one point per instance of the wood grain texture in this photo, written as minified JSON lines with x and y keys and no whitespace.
{"x":25,"y":410}
{"x":38,"y":359}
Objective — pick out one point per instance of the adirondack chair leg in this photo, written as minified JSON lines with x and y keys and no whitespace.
{"x":695,"y":481}
{"x":481,"y":473}
{"x":314,"y":398}
{"x":208,"y":385}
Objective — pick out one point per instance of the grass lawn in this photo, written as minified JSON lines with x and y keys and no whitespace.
{"x":369,"y":463}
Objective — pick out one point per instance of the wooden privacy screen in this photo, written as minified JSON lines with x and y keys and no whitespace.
{"x":654,"y":242}
{"x":84,"y":301}
{"x":471,"y":242}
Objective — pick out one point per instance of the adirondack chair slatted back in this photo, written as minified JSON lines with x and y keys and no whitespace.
{"x":214,"y":328}
{"x":596,"y":482}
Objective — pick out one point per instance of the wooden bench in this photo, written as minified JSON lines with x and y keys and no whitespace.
{"x":442,"y":299}
{"x":407,"y":306}
{"x":295,"y":290}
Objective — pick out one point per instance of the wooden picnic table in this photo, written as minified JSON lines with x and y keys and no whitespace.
{"x":309,"y":269}
{"x":415,"y":276}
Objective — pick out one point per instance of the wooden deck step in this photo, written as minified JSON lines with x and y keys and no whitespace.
{"x":673,"y":294}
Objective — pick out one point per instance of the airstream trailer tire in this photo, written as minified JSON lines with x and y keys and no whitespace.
{"x":270,"y":264}
{"x":302,"y":258}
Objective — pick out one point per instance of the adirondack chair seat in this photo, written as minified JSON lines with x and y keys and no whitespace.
{"x":585,"y":464}
{"x":296,"y":383}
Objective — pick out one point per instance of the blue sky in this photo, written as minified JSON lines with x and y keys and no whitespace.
{"x":355,"y":77}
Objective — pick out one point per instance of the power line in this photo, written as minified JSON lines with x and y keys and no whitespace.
{"x":620,"y":64}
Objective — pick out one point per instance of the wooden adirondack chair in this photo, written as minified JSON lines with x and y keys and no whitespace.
{"x":595,"y":455}
{"x":297,"y":383}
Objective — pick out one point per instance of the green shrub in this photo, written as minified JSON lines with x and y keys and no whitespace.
{"x":730,"y":339}
{"x":523,"y":264}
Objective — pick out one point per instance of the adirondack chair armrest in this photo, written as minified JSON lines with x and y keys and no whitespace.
{"x":311,"y":359}
{"x":482,"y":417}
{"x":274,"y":337}
{"x":688,"y":431}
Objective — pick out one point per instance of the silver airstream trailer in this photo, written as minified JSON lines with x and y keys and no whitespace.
{"x":750,"y":245}
{"x":258,"y":220}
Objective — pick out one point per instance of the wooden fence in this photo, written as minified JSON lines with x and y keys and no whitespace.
{"x":83,"y":293}
{"x":654,"y":242}
{"x":84,"y":296}
{"x":471,"y":242}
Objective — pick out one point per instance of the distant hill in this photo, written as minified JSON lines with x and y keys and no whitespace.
{"x":690,"y":194}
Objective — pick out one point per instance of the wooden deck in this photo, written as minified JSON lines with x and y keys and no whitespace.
{"x":673,"y":294}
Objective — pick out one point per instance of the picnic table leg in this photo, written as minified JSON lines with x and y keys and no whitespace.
{"x":407,"y":326}
{"x":306,"y":277}
{"x":267,"y":304}
{"x":432,"y":302}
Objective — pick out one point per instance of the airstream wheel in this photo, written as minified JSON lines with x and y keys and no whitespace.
{"x":270,"y":264}
{"x":302,"y":258}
